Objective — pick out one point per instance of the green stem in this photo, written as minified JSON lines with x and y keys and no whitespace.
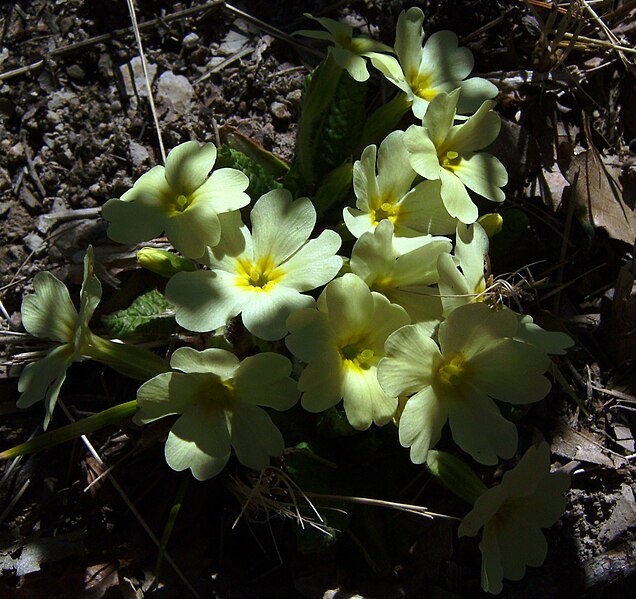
{"x":73,"y":431}
{"x":129,"y":360}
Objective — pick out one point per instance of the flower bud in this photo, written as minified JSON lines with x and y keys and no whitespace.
{"x":162,"y":262}
{"x":455,"y":475}
{"x":492,"y":223}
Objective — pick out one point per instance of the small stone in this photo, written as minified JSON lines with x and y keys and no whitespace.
{"x":76,"y":72}
{"x":139,"y":155}
{"x":190,"y":41}
{"x":174,"y":95}
{"x":28,"y":199}
{"x":105,"y":66}
{"x":294,"y":97}
{"x":16,"y":153}
{"x":34,"y":242}
{"x":138,"y":81}
{"x":4,"y":207}
{"x":280,"y":111}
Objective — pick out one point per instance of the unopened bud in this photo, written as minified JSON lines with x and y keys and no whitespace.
{"x":162,"y":262}
{"x":492,"y":223}
{"x":455,"y":475}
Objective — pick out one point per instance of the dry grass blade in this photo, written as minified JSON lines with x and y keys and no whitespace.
{"x":144,"y":66}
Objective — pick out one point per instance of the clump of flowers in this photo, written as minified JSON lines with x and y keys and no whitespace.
{"x":183,"y":199}
{"x":220,"y":401}
{"x":390,"y":195}
{"x":423,"y":72}
{"x":512,"y":515}
{"x":260,"y":275}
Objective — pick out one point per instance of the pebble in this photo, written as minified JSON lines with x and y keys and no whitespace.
{"x":34,"y":242}
{"x":190,"y":40}
{"x":280,"y":111}
{"x":76,"y":72}
{"x":28,"y":199}
{"x":174,"y":95}
{"x":138,"y":80}
{"x":139,"y":154}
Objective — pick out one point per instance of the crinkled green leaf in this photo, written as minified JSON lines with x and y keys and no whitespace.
{"x":149,"y":314}
{"x":260,"y":180}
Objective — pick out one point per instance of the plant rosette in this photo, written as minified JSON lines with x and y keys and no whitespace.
{"x":261,"y":275}
{"x":423,"y":72}
{"x":389,"y":195}
{"x":402,"y":269}
{"x":512,"y":515}
{"x":477,"y":360}
{"x":441,"y":150}
{"x":220,"y":402}
{"x":183,"y":199}
{"x":341,"y":343}
{"x":347,"y":51}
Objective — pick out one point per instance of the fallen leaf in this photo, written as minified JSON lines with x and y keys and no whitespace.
{"x":602,"y":199}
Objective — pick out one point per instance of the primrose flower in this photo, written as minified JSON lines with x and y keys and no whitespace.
{"x":440,"y":66}
{"x":180,"y":199}
{"x":348,"y":50}
{"x":477,"y":359}
{"x":440,"y":150}
{"x":401,"y":269}
{"x":50,"y":313}
{"x":218,"y":399}
{"x":512,"y":515}
{"x":459,"y":287}
{"x":260,"y":275}
{"x":388,"y":195}
{"x":341,"y":343}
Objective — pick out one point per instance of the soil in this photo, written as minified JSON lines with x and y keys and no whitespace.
{"x":77,"y":130}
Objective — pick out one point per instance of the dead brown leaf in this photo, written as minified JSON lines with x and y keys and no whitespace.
{"x":601,"y":198}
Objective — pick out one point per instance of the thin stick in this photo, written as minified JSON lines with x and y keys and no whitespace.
{"x":133,"y":18}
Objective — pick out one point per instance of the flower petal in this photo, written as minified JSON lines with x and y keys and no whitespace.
{"x":194,"y":229}
{"x":263,"y":380}
{"x":355,"y":65}
{"x":49,"y":312}
{"x":315,"y":264}
{"x":167,"y":394}
{"x":411,"y":357}
{"x":479,"y":428}
{"x":439,"y":116}
{"x":310,"y":336}
{"x":455,"y":197}
{"x":358,"y":222}
{"x":132,"y":222}
{"x":275,"y":212}
{"x":491,"y":568}
{"x":254,"y":436}
{"x":423,"y":209}
{"x":479,"y":131}
{"x":471,"y":247}
{"x":365,"y":183}
{"x":474,"y":92}
{"x":218,"y":361}
{"x":390,"y":68}
{"x":421,"y":423}
{"x":511,"y":371}
{"x":395,"y":177}
{"x":321,"y":382}
{"x":265,"y":313}
{"x":422,"y":152}
{"x":224,"y":189}
{"x":365,"y":402}
{"x":151,"y":189}
{"x":444,"y":60}
{"x":204,"y":300}
{"x":199,"y":440}
{"x":408,"y":39}
{"x":350,"y":304}
{"x":484,"y":174}
{"x":188,"y":166}
{"x":44,"y":379}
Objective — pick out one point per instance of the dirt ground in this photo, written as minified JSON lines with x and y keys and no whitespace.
{"x":76,"y":130}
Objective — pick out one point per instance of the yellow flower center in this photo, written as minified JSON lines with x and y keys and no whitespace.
{"x":181,"y":203}
{"x":420,"y":83}
{"x":452,"y":370}
{"x":450,"y":160}
{"x":259,"y":276}
{"x":386,"y":209}
{"x":357,"y":356}
{"x":217,"y":396}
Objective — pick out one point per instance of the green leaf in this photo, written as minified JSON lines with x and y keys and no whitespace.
{"x":149,"y":314}
{"x":261,"y":181}
{"x":329,"y":128}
